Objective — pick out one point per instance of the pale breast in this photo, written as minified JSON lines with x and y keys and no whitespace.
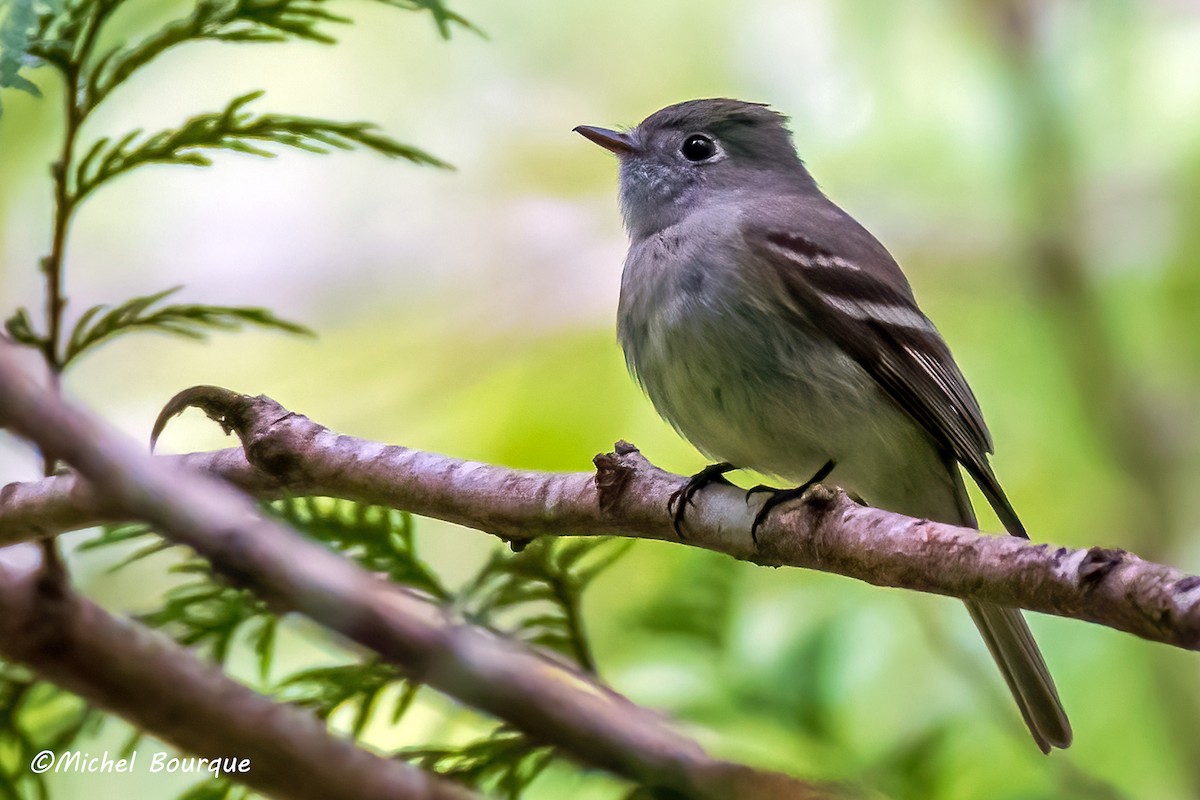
{"x":745,"y":379}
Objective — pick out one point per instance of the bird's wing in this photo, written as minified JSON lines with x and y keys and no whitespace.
{"x":838,"y":277}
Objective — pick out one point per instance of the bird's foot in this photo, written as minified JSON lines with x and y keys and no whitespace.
{"x":680,"y":499}
{"x":779,"y":496}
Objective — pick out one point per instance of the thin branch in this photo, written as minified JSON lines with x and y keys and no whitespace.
{"x":627,"y":496}
{"x":64,"y":209}
{"x":162,"y":688}
{"x":35,"y":509}
{"x":541,"y":697}
{"x":75,"y":110}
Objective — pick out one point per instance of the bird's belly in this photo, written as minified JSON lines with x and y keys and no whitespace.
{"x":769,"y":415}
{"x":782,"y":405}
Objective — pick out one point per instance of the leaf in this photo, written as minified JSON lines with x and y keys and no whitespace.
{"x":100,"y":323}
{"x":441,"y":15}
{"x":505,"y":762}
{"x":264,"y":645}
{"x":117,"y":534}
{"x":407,"y":694}
{"x":153,"y":548}
{"x":36,"y":32}
{"x":215,"y":789}
{"x":205,"y":613}
{"x":380,"y":539}
{"x":36,"y":716}
{"x":18,"y":25}
{"x":324,"y":690}
{"x":242,"y":21}
{"x":20,"y":329}
{"x":534,"y":595}
{"x":238,"y":130}
{"x":11,"y":80}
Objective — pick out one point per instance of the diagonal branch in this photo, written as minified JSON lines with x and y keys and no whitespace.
{"x":538,"y":696}
{"x":160,"y":687}
{"x":627,"y":496}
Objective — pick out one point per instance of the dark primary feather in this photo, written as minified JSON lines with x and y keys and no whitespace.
{"x":858,"y":296}
{"x":854,"y":291}
{"x":860,"y":299}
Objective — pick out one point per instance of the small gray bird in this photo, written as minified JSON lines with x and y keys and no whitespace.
{"x":776,"y":334}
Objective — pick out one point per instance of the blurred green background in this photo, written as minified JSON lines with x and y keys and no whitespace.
{"x":1034,"y":166}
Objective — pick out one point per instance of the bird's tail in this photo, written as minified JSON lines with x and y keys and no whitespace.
{"x":1016,"y":653}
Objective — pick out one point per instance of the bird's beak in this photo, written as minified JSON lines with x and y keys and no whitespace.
{"x":613,"y":141}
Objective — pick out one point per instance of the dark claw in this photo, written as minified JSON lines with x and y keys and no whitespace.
{"x":780,"y":496}
{"x":680,"y":499}
{"x":759,"y":489}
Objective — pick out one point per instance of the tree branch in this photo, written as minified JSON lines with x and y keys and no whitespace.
{"x":627,"y":496}
{"x":538,"y":696}
{"x":160,"y":687}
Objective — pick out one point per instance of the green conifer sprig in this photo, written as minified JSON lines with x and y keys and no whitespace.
{"x":63,"y":32}
{"x":380,"y":539}
{"x":100,"y":324}
{"x":36,"y":716}
{"x":356,"y":686}
{"x":236,"y":130}
{"x":503,"y":763}
{"x":217,"y":789}
{"x":534,"y":595}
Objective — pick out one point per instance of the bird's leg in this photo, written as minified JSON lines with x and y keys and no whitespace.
{"x":783,"y":495}
{"x":680,"y":499}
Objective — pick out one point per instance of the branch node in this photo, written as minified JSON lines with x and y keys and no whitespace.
{"x":1098,"y":563}
{"x":273,"y":456}
{"x":820,"y":498}
{"x":612,"y":475}
{"x":1187,"y":584}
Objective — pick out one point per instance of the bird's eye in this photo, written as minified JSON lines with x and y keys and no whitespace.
{"x":698,"y":147}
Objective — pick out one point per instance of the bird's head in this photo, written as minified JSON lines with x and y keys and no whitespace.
{"x":693,"y":152}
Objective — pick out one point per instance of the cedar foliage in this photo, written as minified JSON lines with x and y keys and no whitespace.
{"x":533,"y":595}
